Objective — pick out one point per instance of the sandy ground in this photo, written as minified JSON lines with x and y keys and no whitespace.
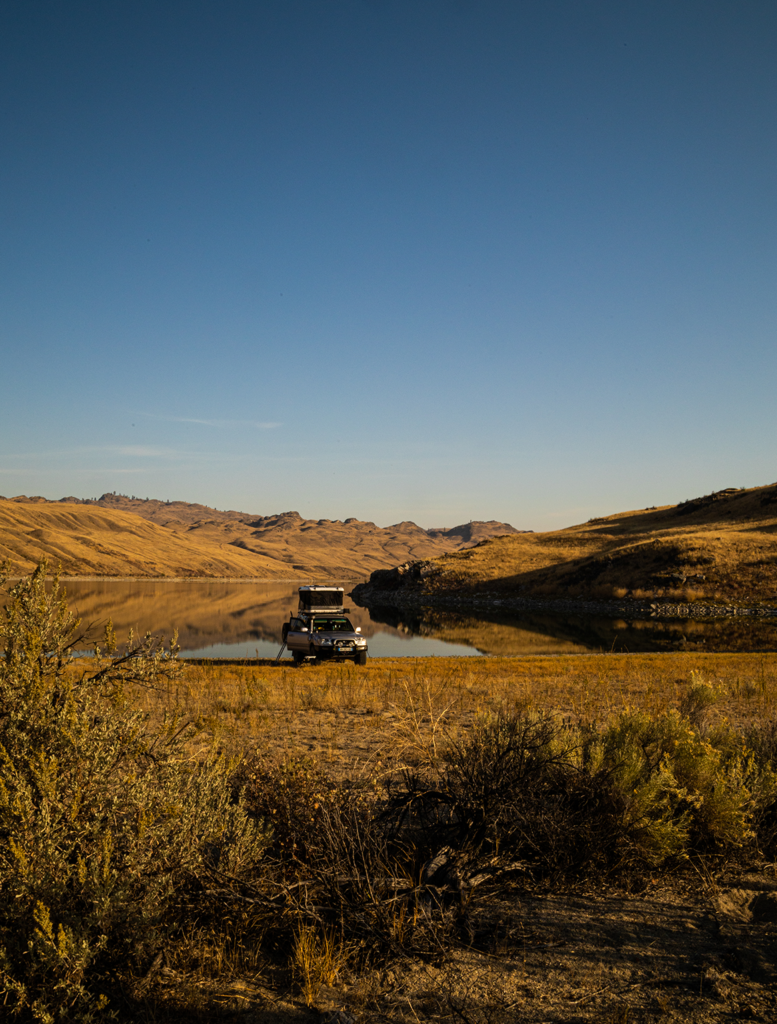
{"x":698,"y":949}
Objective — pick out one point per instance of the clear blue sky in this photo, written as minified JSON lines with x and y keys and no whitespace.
{"x":395,"y":259}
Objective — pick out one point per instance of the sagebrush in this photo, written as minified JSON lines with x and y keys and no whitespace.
{"x":101,"y":821}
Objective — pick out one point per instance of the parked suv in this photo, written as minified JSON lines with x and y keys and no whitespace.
{"x":322,"y":630}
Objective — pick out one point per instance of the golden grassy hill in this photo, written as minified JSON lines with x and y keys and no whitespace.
{"x":722,"y":547}
{"x":119,"y":536}
{"x":88,"y":541}
{"x":348,"y":549}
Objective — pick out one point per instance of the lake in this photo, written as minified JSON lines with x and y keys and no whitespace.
{"x":227,"y":620}
{"x":244,"y":619}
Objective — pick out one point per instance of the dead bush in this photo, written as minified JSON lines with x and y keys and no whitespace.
{"x":511,"y":798}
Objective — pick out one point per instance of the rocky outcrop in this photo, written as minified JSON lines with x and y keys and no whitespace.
{"x":416,"y":585}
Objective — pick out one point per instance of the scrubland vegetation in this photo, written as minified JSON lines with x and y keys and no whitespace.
{"x":210,"y":842}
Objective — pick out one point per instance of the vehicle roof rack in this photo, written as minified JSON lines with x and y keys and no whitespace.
{"x":321,"y":599}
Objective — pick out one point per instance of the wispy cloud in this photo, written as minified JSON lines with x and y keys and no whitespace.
{"x":219,"y":424}
{"x":140,"y":451}
{"x":106,"y":469}
{"x":132,"y":451}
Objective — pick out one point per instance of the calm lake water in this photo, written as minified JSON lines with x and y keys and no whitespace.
{"x":244,"y":620}
{"x":229,"y":620}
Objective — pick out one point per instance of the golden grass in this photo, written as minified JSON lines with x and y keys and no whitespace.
{"x":317,"y":959}
{"x":89,"y":541}
{"x":725,"y":549}
{"x":352,"y":717}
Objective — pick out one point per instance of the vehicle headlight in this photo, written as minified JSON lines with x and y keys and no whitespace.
{"x":326,"y":640}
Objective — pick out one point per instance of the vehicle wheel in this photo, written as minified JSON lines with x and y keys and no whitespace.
{"x":361,"y":658}
{"x":299,"y":658}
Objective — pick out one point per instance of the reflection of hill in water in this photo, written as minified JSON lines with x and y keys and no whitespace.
{"x":203,"y":613}
{"x":494,"y":635}
{"x":538,"y":633}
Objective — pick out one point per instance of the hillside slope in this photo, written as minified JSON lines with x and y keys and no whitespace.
{"x":89,"y":541}
{"x":120,"y":536}
{"x":719,"y":548}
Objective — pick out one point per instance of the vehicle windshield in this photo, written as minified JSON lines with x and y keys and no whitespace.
{"x":332,"y":625}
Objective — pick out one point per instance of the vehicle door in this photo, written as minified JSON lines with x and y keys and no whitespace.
{"x":298,"y":637}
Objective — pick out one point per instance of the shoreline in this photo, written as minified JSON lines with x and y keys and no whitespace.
{"x":380,"y":661}
{"x":187,"y":579}
{"x":696,"y":611}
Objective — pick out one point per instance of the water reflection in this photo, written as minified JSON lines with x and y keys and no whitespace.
{"x":548,"y":633}
{"x":228,"y":620}
{"x":243,"y":620}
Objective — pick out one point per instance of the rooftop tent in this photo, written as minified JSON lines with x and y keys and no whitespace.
{"x":324,"y":599}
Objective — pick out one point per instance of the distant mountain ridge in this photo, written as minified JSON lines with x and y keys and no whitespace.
{"x":119,"y":535}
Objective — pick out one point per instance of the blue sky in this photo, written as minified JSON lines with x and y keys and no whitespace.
{"x":433,"y":260}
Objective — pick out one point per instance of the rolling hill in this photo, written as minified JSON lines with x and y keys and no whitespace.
{"x":118,"y":536}
{"x":720,"y":548}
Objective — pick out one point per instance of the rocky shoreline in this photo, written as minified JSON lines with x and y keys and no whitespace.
{"x":368,"y":595}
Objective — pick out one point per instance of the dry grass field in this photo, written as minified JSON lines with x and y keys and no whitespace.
{"x":719,"y":548}
{"x":697,"y":944}
{"x":354,"y":718}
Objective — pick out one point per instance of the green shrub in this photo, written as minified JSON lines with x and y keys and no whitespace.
{"x":685,"y":786}
{"x":291,"y":794}
{"x":761,"y":741}
{"x":642,"y":791}
{"x":101,"y":821}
